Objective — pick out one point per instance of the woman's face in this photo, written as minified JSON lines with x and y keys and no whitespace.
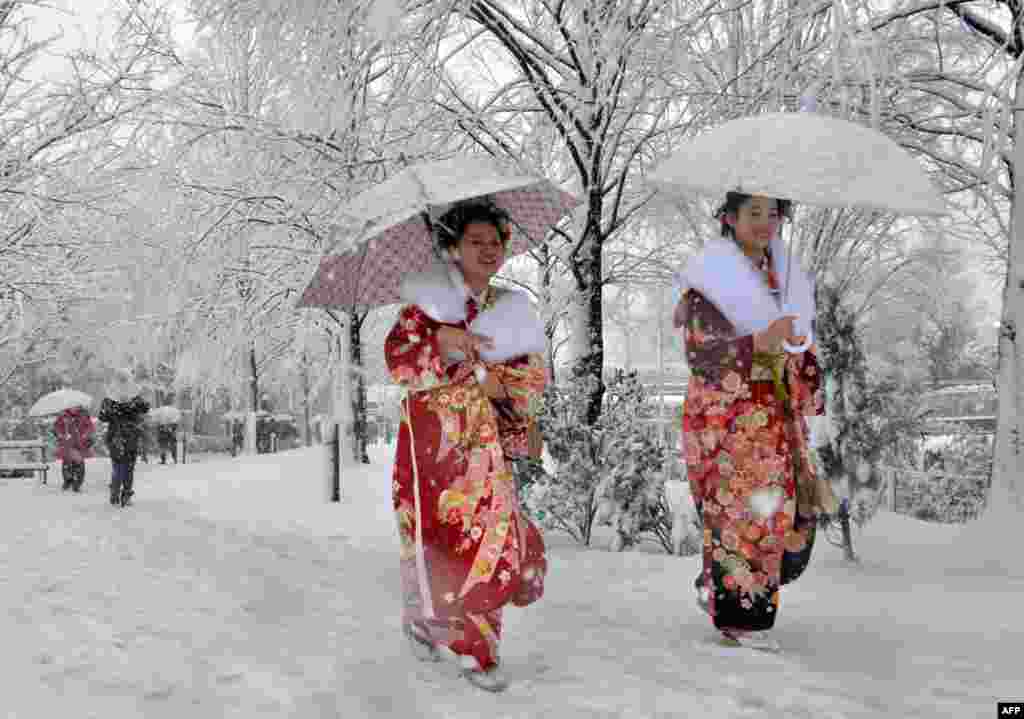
{"x":756,"y":223}
{"x":481,"y":250}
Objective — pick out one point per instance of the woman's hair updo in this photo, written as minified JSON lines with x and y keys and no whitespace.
{"x":452,"y":224}
{"x":735,"y":200}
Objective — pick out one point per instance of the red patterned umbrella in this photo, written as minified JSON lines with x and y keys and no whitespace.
{"x":394,"y":237}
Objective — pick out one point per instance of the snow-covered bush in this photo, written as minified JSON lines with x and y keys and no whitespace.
{"x":610,"y":473}
{"x":566,"y":500}
{"x":681,"y":530}
{"x":872,"y":417}
{"x":634,"y":487}
{"x":866,"y":503}
{"x":962,"y":452}
{"x":529,"y":476}
{"x":947,"y":497}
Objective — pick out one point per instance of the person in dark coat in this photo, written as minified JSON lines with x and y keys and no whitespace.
{"x":167,"y":438}
{"x":123,"y":411}
{"x":237,"y":437}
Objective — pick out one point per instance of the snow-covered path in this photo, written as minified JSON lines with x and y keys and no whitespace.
{"x":231,"y":590}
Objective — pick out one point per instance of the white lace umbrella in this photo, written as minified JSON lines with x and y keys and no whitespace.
{"x":804,"y":157}
{"x":392,"y":223}
{"x":58,"y":401}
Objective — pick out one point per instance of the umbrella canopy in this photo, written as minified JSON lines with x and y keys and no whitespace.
{"x":57,"y":402}
{"x":165,"y":415}
{"x":804,"y":157}
{"x":392,"y":233}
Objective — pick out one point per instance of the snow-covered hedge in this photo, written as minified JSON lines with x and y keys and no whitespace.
{"x":940,"y":496}
{"x":611,"y":473}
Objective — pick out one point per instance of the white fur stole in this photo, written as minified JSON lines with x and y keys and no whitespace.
{"x":724,"y":275}
{"x":511,"y":323}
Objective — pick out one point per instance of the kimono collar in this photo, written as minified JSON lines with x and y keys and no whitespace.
{"x":726,"y":278}
{"x":505,"y":315}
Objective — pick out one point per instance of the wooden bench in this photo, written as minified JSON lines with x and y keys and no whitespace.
{"x":26,"y":465}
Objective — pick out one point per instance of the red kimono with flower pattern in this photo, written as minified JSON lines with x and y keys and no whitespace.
{"x":74,"y":429}
{"x":746,"y":445}
{"x":477,"y":551}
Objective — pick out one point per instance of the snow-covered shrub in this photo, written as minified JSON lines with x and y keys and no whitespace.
{"x":610,"y":473}
{"x":948,"y":497}
{"x":530,"y":480}
{"x":566,"y":500}
{"x":635,"y":489}
{"x":873,"y":417}
{"x":683,"y":525}
{"x":865,"y":505}
{"x":959,"y":468}
{"x":962,"y":452}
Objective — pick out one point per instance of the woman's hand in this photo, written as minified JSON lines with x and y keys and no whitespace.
{"x":452,"y":339}
{"x":770,"y":339}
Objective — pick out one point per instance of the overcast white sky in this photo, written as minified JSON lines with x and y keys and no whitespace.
{"x":80,"y":24}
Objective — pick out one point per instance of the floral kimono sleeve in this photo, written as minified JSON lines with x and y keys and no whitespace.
{"x":720,"y":373}
{"x":524,"y":379}
{"x":414,"y":355}
{"x":713,"y":351}
{"x":807,"y":396}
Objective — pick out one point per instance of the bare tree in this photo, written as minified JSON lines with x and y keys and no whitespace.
{"x":976,"y":137}
{"x":59,"y":180}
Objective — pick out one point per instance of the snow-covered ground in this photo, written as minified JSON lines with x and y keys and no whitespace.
{"x":231,"y":589}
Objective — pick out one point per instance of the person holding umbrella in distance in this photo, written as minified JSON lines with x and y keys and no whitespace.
{"x":74,"y":430}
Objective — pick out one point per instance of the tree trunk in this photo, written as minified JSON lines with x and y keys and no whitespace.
{"x":546,"y":313}
{"x":254,"y":383}
{"x":343,"y":403}
{"x":1007,"y":494}
{"x":592,"y":362}
{"x":359,"y":396}
{"x":254,"y":399}
{"x":306,"y":421}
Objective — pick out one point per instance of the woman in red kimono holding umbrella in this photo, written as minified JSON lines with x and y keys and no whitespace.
{"x":74,"y":430}
{"x":468,"y":355}
{"x":744,"y":433}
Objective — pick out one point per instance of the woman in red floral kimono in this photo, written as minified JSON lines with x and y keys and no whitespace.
{"x":744,"y":432}
{"x":74,"y":430}
{"x":466,"y":549}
